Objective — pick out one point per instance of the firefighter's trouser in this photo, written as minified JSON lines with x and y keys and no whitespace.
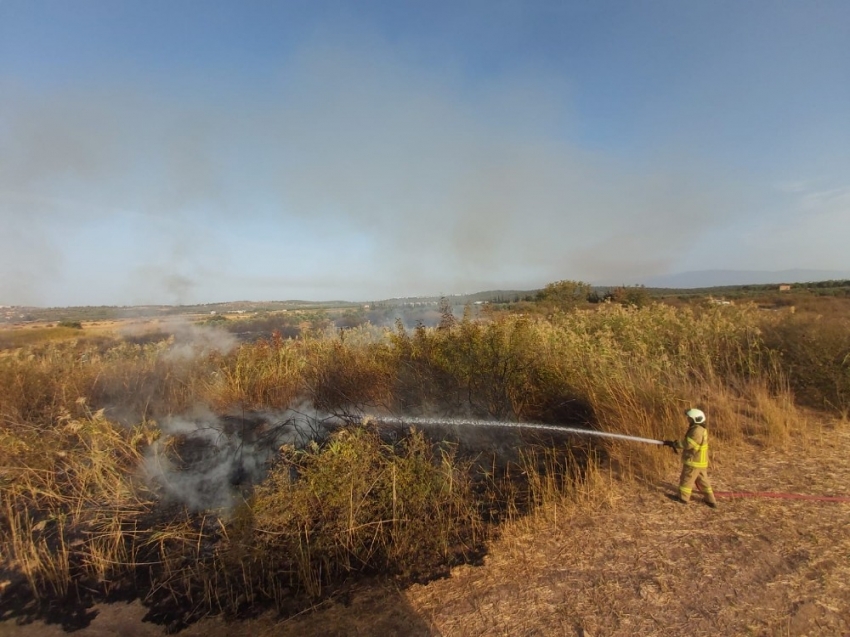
{"x":695,"y":476}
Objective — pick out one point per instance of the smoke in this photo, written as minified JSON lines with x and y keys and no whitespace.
{"x":414,"y":182}
{"x":188,"y":341}
{"x":191,"y":342}
{"x":203,"y":460}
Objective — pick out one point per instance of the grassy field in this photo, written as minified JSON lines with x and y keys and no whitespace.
{"x":203,"y":475}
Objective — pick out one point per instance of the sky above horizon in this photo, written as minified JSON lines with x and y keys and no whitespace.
{"x":200,"y":151}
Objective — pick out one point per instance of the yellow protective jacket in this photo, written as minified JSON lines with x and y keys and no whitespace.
{"x":694,"y":447}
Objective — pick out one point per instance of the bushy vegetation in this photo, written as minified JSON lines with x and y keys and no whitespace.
{"x":358,"y":503}
{"x":814,"y":353}
{"x":78,"y":419}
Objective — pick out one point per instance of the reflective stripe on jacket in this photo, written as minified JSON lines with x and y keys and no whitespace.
{"x":695,"y":447}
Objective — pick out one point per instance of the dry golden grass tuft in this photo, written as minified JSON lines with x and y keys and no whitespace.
{"x":69,"y":499}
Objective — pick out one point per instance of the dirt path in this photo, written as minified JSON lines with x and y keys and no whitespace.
{"x":639,"y":564}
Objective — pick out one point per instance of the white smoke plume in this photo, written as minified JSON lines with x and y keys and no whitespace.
{"x":191,"y":341}
{"x":417,"y":183}
{"x":203,"y":460}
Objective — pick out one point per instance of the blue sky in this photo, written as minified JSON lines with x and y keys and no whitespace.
{"x":200,"y":151}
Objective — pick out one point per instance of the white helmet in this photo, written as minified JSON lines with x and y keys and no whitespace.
{"x":696,"y":416}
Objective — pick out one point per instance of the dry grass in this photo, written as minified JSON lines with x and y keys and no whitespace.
{"x":69,"y":500}
{"x":14,"y":338}
{"x":618,"y":558}
{"x":359,"y":504}
{"x":637,"y":563}
{"x":75,"y":520}
{"x":621,"y":559}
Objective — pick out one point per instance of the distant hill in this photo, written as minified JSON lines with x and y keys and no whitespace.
{"x":690,"y":283}
{"x":716,"y":278}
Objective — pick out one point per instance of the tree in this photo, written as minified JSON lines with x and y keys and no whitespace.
{"x":447,"y":317}
{"x":629,"y":295}
{"x":564,"y":295}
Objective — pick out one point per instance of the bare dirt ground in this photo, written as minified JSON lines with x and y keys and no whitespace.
{"x":632,"y":563}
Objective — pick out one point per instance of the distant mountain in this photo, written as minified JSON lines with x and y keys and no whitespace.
{"x":716,"y":278}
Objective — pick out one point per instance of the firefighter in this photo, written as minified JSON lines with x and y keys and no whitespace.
{"x":694,"y":448}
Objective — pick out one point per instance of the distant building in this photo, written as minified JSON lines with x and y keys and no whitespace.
{"x":784,"y":287}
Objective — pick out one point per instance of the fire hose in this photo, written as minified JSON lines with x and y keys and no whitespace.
{"x":469,"y":422}
{"x":600,"y":434}
{"x":783,"y":496}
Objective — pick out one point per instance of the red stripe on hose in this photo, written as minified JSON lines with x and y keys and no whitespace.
{"x":783,"y":496}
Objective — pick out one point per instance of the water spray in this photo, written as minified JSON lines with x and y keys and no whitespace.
{"x":468,"y":422}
